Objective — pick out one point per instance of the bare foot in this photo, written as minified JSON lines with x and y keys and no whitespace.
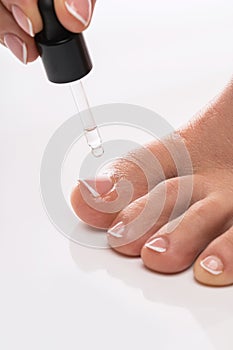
{"x":170,"y":241}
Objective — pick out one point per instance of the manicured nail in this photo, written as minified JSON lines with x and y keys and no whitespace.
{"x":117,"y":230}
{"x":81,"y":10}
{"x":158,"y":244}
{"x":104,"y":185}
{"x":17,"y":46}
{"x":212,"y":264}
{"x":23,"y":21}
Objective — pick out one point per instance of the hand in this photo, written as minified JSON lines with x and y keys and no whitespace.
{"x":20,"y":20}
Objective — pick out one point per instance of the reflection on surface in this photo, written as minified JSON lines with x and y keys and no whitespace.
{"x":209,"y":306}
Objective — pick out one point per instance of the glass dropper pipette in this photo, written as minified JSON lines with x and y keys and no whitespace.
{"x":91,"y":130}
{"x":66,"y":60}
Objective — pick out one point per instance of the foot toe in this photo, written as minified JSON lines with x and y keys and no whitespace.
{"x":214,"y":266}
{"x":172,"y":250}
{"x":145,"y":216}
{"x":132,"y":175}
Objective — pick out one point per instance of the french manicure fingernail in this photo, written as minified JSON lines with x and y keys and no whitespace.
{"x":105,"y":184}
{"x":117,"y":230}
{"x":212,"y":264}
{"x":81,"y":10}
{"x":158,"y":244}
{"x":23,"y":21}
{"x":17,"y":46}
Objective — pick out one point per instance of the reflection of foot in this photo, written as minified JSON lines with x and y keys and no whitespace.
{"x":205,"y":229}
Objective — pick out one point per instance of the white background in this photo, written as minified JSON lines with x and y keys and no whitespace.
{"x":170,"y":56}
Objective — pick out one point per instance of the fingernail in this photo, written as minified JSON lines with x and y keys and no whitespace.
{"x":81,"y":10}
{"x":104,"y":185}
{"x":17,"y":46}
{"x":158,"y":244}
{"x":117,"y":230}
{"x":23,"y":21}
{"x":212,"y":264}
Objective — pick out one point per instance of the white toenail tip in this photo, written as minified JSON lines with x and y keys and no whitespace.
{"x":117,"y":230}
{"x":156,"y":249}
{"x":90,"y":189}
{"x":212,"y":265}
{"x":114,"y":234}
{"x":155,"y":246}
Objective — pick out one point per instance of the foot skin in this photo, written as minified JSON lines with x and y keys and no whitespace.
{"x":200,"y":230}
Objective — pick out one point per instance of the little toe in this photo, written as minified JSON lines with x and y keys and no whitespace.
{"x":175,"y":247}
{"x":214,"y":267}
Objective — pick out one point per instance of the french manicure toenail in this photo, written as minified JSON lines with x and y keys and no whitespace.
{"x":117,"y":230}
{"x":93,"y":192}
{"x":212,"y":264}
{"x":81,"y":10}
{"x":158,"y":244}
{"x":23,"y":21}
{"x":105,"y":185}
{"x":17,"y":46}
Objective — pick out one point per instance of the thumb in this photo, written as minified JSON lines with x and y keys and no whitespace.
{"x":75,"y":15}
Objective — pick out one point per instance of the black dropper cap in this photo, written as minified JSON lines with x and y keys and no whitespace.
{"x":64,"y":54}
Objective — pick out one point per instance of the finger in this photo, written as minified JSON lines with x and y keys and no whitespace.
{"x":13,"y":37}
{"x":75,"y":15}
{"x":26,"y":14}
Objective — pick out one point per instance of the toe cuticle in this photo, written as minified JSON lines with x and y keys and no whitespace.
{"x":158,"y":245}
{"x":213,"y":265}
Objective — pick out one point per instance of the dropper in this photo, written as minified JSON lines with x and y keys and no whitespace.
{"x":90,"y":128}
{"x":66,"y":60}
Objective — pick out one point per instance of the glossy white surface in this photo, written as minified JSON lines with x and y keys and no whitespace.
{"x":172,"y":57}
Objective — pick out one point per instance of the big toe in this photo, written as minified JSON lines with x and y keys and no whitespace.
{"x":97,"y":201}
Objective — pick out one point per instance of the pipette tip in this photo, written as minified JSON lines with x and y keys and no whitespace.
{"x":98,"y":151}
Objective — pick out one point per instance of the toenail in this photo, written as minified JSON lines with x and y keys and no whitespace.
{"x":117,"y":230}
{"x":93,"y":192}
{"x":104,"y":185}
{"x":212,"y":264}
{"x":158,"y":244}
